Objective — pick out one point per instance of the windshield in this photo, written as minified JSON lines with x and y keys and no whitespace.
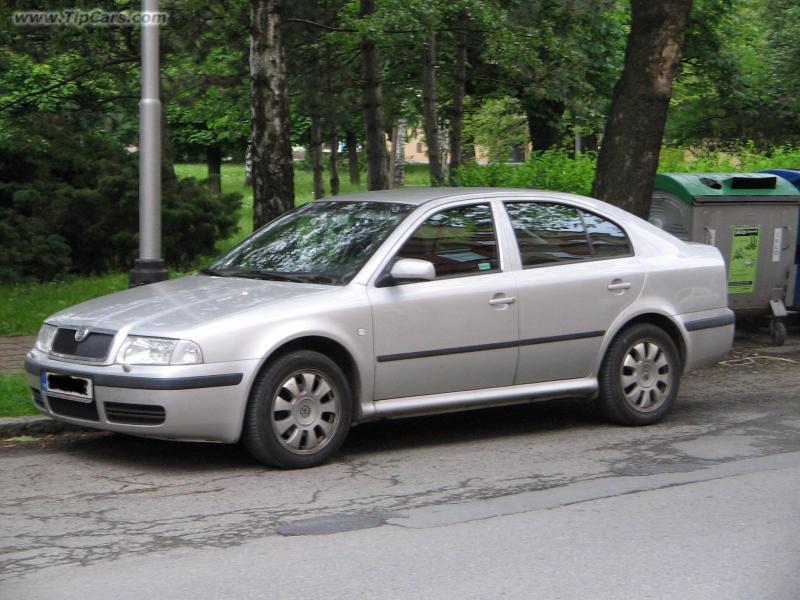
{"x":321,"y":242}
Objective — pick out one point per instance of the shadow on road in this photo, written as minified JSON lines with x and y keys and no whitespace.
{"x":367,"y":439}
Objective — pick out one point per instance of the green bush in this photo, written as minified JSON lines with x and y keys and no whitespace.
{"x":69,"y":204}
{"x":547,"y":170}
{"x":562,"y":171}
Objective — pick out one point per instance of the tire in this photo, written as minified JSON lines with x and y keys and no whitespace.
{"x":639,"y":377}
{"x":299,"y":412}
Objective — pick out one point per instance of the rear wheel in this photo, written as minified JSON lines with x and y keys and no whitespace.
{"x":299,"y":411}
{"x":639,"y":377}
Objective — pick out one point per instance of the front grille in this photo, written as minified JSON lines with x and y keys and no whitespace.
{"x":135,"y":414}
{"x":37,"y":398}
{"x":95,"y":346}
{"x":74,"y":409}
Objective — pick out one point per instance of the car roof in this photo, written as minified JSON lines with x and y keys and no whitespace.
{"x":422,"y":195}
{"x":419,"y":196}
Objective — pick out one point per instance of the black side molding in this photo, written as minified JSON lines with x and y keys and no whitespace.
{"x":147,"y":383}
{"x":562,"y":338}
{"x":493,"y":346}
{"x":710,"y":323}
{"x":446,"y":351}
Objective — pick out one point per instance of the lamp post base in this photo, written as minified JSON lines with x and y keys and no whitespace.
{"x":146,"y":270}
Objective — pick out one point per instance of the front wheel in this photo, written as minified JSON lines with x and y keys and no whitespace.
{"x":299,"y":412}
{"x":639,"y":377}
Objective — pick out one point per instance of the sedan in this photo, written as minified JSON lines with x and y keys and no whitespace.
{"x":393,"y":304}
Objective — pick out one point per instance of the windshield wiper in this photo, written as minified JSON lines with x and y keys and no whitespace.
{"x":270,"y":275}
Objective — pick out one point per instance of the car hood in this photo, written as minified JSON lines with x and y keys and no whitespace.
{"x":182,"y":303}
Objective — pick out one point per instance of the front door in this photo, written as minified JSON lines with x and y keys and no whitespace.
{"x":458,"y":332}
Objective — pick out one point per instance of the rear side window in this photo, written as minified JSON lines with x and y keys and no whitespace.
{"x":608,"y":239}
{"x":548,"y":233}
{"x":458,"y":241}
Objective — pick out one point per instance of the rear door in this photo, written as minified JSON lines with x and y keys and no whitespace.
{"x":578,"y":273}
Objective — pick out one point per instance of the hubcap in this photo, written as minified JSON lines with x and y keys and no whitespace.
{"x":646,"y":376}
{"x":304,"y":412}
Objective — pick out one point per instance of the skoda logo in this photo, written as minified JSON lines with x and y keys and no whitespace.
{"x":305,"y":411}
{"x":81,"y":334}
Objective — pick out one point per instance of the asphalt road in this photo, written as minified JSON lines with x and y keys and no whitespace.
{"x":534,"y":501}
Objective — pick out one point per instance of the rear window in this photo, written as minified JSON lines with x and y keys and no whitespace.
{"x":608,"y":239}
{"x":548,"y":233}
{"x":551,"y":233}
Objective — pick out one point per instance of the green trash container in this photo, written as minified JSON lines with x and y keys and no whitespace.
{"x":752,"y":218}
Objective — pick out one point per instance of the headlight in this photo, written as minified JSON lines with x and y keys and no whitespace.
{"x":44,"y":340}
{"x":159,"y":351}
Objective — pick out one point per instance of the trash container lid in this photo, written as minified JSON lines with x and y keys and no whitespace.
{"x":727,"y":187}
{"x":790,"y":175}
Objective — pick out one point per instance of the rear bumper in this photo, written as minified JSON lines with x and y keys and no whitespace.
{"x":708,"y":335}
{"x":191,"y":402}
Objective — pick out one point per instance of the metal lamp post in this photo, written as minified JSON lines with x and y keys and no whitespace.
{"x":149,"y":267}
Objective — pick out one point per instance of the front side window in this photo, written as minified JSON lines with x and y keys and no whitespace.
{"x":322,"y":242}
{"x":458,"y":241}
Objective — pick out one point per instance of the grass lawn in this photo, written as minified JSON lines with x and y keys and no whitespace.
{"x":15,"y":396}
{"x":24,"y":306}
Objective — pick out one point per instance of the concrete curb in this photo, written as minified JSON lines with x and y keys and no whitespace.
{"x":18,"y":426}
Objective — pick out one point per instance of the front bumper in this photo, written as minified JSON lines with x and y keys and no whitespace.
{"x":183,"y":402}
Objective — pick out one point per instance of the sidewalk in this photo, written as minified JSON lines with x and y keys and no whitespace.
{"x":13,"y":349}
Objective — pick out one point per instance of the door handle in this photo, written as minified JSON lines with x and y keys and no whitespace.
{"x":623,"y":285}
{"x":503,"y":300}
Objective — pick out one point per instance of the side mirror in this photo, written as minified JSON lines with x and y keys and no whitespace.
{"x":408,"y":270}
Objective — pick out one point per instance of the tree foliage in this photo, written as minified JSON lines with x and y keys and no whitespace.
{"x":64,"y":210}
{"x":505,"y":74}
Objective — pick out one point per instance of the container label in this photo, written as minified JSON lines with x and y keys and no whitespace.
{"x":777,"y":244}
{"x":744,"y":260}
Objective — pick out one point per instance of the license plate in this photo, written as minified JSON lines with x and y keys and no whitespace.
{"x":68,"y":386}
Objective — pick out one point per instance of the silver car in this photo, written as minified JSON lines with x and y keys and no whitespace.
{"x":393,"y":304}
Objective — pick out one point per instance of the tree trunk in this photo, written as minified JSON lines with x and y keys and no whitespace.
{"x":399,"y":153}
{"x":315,"y":105}
{"x":351,"y":142}
{"x":214,"y":163}
{"x":429,"y":109}
{"x":467,"y":150}
{"x":392,"y":155}
{"x":315,"y":148}
{"x":334,"y":175}
{"x":169,"y":179}
{"x":248,"y":164}
{"x":544,"y":117}
{"x":377,"y":176}
{"x":589,"y":142}
{"x":628,"y":159}
{"x":273,"y":172}
{"x":457,"y":107}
